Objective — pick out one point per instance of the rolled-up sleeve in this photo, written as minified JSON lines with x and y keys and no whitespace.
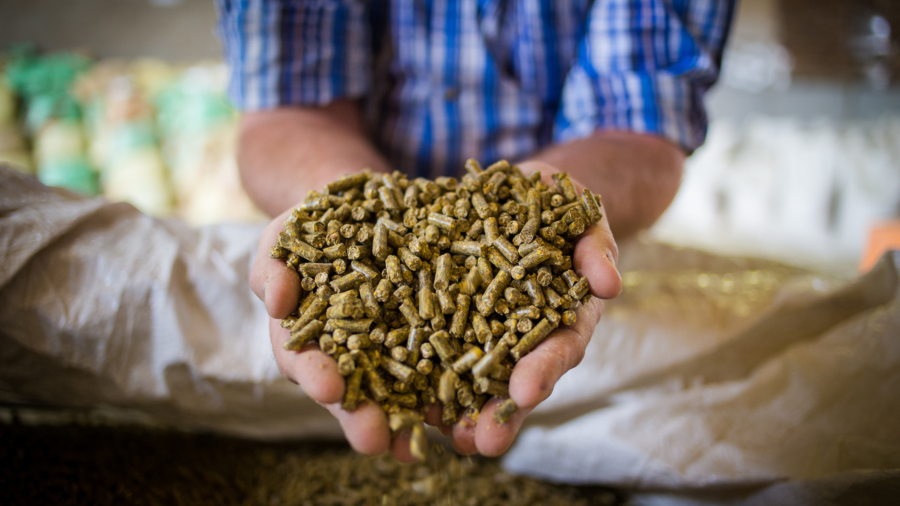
{"x":645,"y":66}
{"x":294,"y":52}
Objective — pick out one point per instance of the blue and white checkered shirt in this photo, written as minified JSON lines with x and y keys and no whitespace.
{"x":446,"y":80}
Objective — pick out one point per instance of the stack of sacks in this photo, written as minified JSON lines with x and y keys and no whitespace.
{"x":53,"y":117}
{"x":198,"y":131}
{"x":123,"y":134}
{"x":160,"y":137}
{"x":802,"y":192}
{"x":12,"y":144}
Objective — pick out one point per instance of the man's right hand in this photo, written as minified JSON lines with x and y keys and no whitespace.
{"x":283,"y":154}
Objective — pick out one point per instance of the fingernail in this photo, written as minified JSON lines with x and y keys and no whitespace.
{"x":264,"y":290}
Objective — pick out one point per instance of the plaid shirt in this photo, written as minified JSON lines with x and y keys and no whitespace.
{"x":445,"y":80}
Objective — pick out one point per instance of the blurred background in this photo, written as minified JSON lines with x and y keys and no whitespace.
{"x":125,"y":98}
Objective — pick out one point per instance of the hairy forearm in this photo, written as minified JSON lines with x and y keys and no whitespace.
{"x":637,"y":175}
{"x":284,"y":153}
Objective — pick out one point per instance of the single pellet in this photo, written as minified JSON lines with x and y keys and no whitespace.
{"x":484,"y":269}
{"x":417,"y":336}
{"x":398,"y":370}
{"x":378,"y":333}
{"x":552,"y":316}
{"x":461,"y":316}
{"x":472,"y":281}
{"x":359,"y":326}
{"x":346,"y":365}
{"x":579,"y":289}
{"x":443,"y":222}
{"x":426,"y":299}
{"x":380,"y":242}
{"x":424,"y":366}
{"x":299,"y":247}
{"x":570,"y":278}
{"x":507,"y":249}
{"x":531,"y":339}
{"x":439,"y":341}
{"x":534,"y":218}
{"x":480,"y":204}
{"x":418,"y":442}
{"x":364,"y":269}
{"x":464,"y":394}
{"x":591,"y":208}
{"x":505,"y":411}
{"x":524,"y":326}
{"x":397,"y":336}
{"x":493,"y":291}
{"x":473,"y":248}
{"x":447,"y":387}
{"x":327,"y":344}
{"x":359,"y":342}
{"x":554,"y":299}
{"x":347,"y":182}
{"x":531,"y":312}
{"x":409,"y":259}
{"x":481,"y":327}
{"x":352,"y":390}
{"x":489,"y":361}
{"x":348,"y":281}
{"x":449,"y":415}
{"x":316,"y":308}
{"x":442,"y":272}
{"x":310,"y":331}
{"x":569,"y":317}
{"x":341,"y":336}
{"x":392,"y":269}
{"x":388,"y":199}
{"x":370,"y":304}
{"x":352,"y":310}
{"x":312,"y":227}
{"x":467,"y":360}
{"x":491,"y":387}
{"x":420,"y":249}
{"x":399,"y":353}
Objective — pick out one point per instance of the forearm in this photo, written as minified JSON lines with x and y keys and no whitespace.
{"x":284,"y":153}
{"x":637,"y":175}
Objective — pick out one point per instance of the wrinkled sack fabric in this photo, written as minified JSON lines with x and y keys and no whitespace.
{"x":707,"y":370}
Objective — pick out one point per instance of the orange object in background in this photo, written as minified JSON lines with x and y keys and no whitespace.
{"x":883,"y":237}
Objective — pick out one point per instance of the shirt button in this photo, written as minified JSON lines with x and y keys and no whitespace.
{"x":451,"y":94}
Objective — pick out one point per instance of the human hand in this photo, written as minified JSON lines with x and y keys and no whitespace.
{"x":535,"y":375}
{"x":366,"y":428}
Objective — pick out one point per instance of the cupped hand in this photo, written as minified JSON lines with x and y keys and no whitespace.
{"x":535,"y":375}
{"x":366,"y":428}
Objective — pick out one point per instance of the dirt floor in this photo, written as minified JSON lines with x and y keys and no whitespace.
{"x":63,"y":465}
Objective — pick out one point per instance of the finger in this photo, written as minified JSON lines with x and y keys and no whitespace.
{"x":277,"y":285}
{"x":433,"y":415}
{"x":535,"y":374}
{"x":366,"y":428}
{"x":596,"y":254}
{"x":493,"y":439}
{"x":400,"y":448}
{"x":314,"y":371}
{"x":464,"y":436}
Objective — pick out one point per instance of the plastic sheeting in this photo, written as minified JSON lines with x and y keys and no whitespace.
{"x":707,"y":370}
